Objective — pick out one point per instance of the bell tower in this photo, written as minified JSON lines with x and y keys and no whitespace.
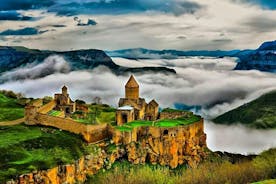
{"x":132,"y":89}
{"x":64,"y":90}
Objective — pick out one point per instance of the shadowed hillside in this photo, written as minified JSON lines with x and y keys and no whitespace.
{"x":12,"y":58}
{"x":260,"y":113}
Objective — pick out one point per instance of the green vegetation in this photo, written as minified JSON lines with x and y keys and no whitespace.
{"x":10,"y":108}
{"x":54,"y":113}
{"x":160,"y":123}
{"x":98,"y":114}
{"x":27,"y":148}
{"x":260,"y":113}
{"x":216,"y":169}
{"x":266,"y":182}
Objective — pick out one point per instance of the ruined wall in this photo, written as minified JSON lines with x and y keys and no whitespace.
{"x":174,"y":115}
{"x":166,"y":146}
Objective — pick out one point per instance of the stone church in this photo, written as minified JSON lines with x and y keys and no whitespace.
{"x":64,"y":102}
{"x":132,"y":107}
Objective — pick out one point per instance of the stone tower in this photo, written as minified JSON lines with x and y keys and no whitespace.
{"x":64,"y":90}
{"x":132,"y":89}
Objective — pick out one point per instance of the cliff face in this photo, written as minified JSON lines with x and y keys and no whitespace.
{"x":71,"y":173}
{"x":263,"y":59}
{"x":165,"y":146}
{"x":157,"y":145}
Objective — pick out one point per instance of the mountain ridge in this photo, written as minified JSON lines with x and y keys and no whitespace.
{"x":12,"y":58}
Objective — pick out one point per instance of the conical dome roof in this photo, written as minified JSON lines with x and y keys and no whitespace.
{"x":64,"y":87}
{"x":132,"y":83}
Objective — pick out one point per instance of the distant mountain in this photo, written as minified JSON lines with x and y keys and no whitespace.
{"x":141,"y":53}
{"x":260,"y":113}
{"x":263,"y":58}
{"x":12,"y":58}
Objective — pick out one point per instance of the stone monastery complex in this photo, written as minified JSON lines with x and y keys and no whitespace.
{"x":168,"y":137}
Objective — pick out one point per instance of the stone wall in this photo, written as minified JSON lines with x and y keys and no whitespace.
{"x":48,"y":107}
{"x":174,"y":115}
{"x":171,"y":146}
{"x":90,"y":133}
{"x":37,"y":115}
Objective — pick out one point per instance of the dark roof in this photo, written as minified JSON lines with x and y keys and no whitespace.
{"x":153,"y":103}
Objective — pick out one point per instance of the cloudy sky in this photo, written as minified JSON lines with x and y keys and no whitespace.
{"x":155,"y":24}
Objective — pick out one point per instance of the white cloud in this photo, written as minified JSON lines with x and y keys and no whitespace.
{"x":207,"y":82}
{"x":218,"y":25}
{"x":238,"y":139}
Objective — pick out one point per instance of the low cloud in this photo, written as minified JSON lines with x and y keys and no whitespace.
{"x":261,"y":24}
{"x":51,"y":65}
{"x":209,"y":83}
{"x":238,"y":139}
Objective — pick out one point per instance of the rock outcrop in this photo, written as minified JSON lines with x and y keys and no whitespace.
{"x":263,"y":58}
{"x":71,"y":173}
{"x":171,"y":146}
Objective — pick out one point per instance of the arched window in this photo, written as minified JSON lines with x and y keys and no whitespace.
{"x":166,"y":132}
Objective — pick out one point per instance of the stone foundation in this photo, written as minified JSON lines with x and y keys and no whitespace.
{"x":165,"y":146}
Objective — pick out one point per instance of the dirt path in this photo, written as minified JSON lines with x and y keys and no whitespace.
{"x":14,"y":122}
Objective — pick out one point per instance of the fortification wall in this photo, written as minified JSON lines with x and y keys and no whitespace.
{"x":37,"y":103}
{"x":170,"y":146}
{"x":48,"y":107}
{"x":61,"y":123}
{"x":38,"y":115}
{"x":174,"y":115}
{"x":90,"y":133}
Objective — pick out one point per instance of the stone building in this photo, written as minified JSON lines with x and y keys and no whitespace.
{"x":64,"y":102}
{"x":132,"y":107}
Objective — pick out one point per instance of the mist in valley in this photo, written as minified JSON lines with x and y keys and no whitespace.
{"x":207,"y":82}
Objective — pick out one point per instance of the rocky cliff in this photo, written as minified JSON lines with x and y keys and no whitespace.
{"x":263,"y":58}
{"x":76,"y":172}
{"x":167,"y":146}
{"x":170,"y":146}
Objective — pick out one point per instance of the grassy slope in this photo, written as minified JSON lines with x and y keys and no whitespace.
{"x":260,"y":113}
{"x":216,"y":169}
{"x":10,"y":109}
{"x":266,"y":182}
{"x":27,"y":148}
{"x":160,"y":123}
